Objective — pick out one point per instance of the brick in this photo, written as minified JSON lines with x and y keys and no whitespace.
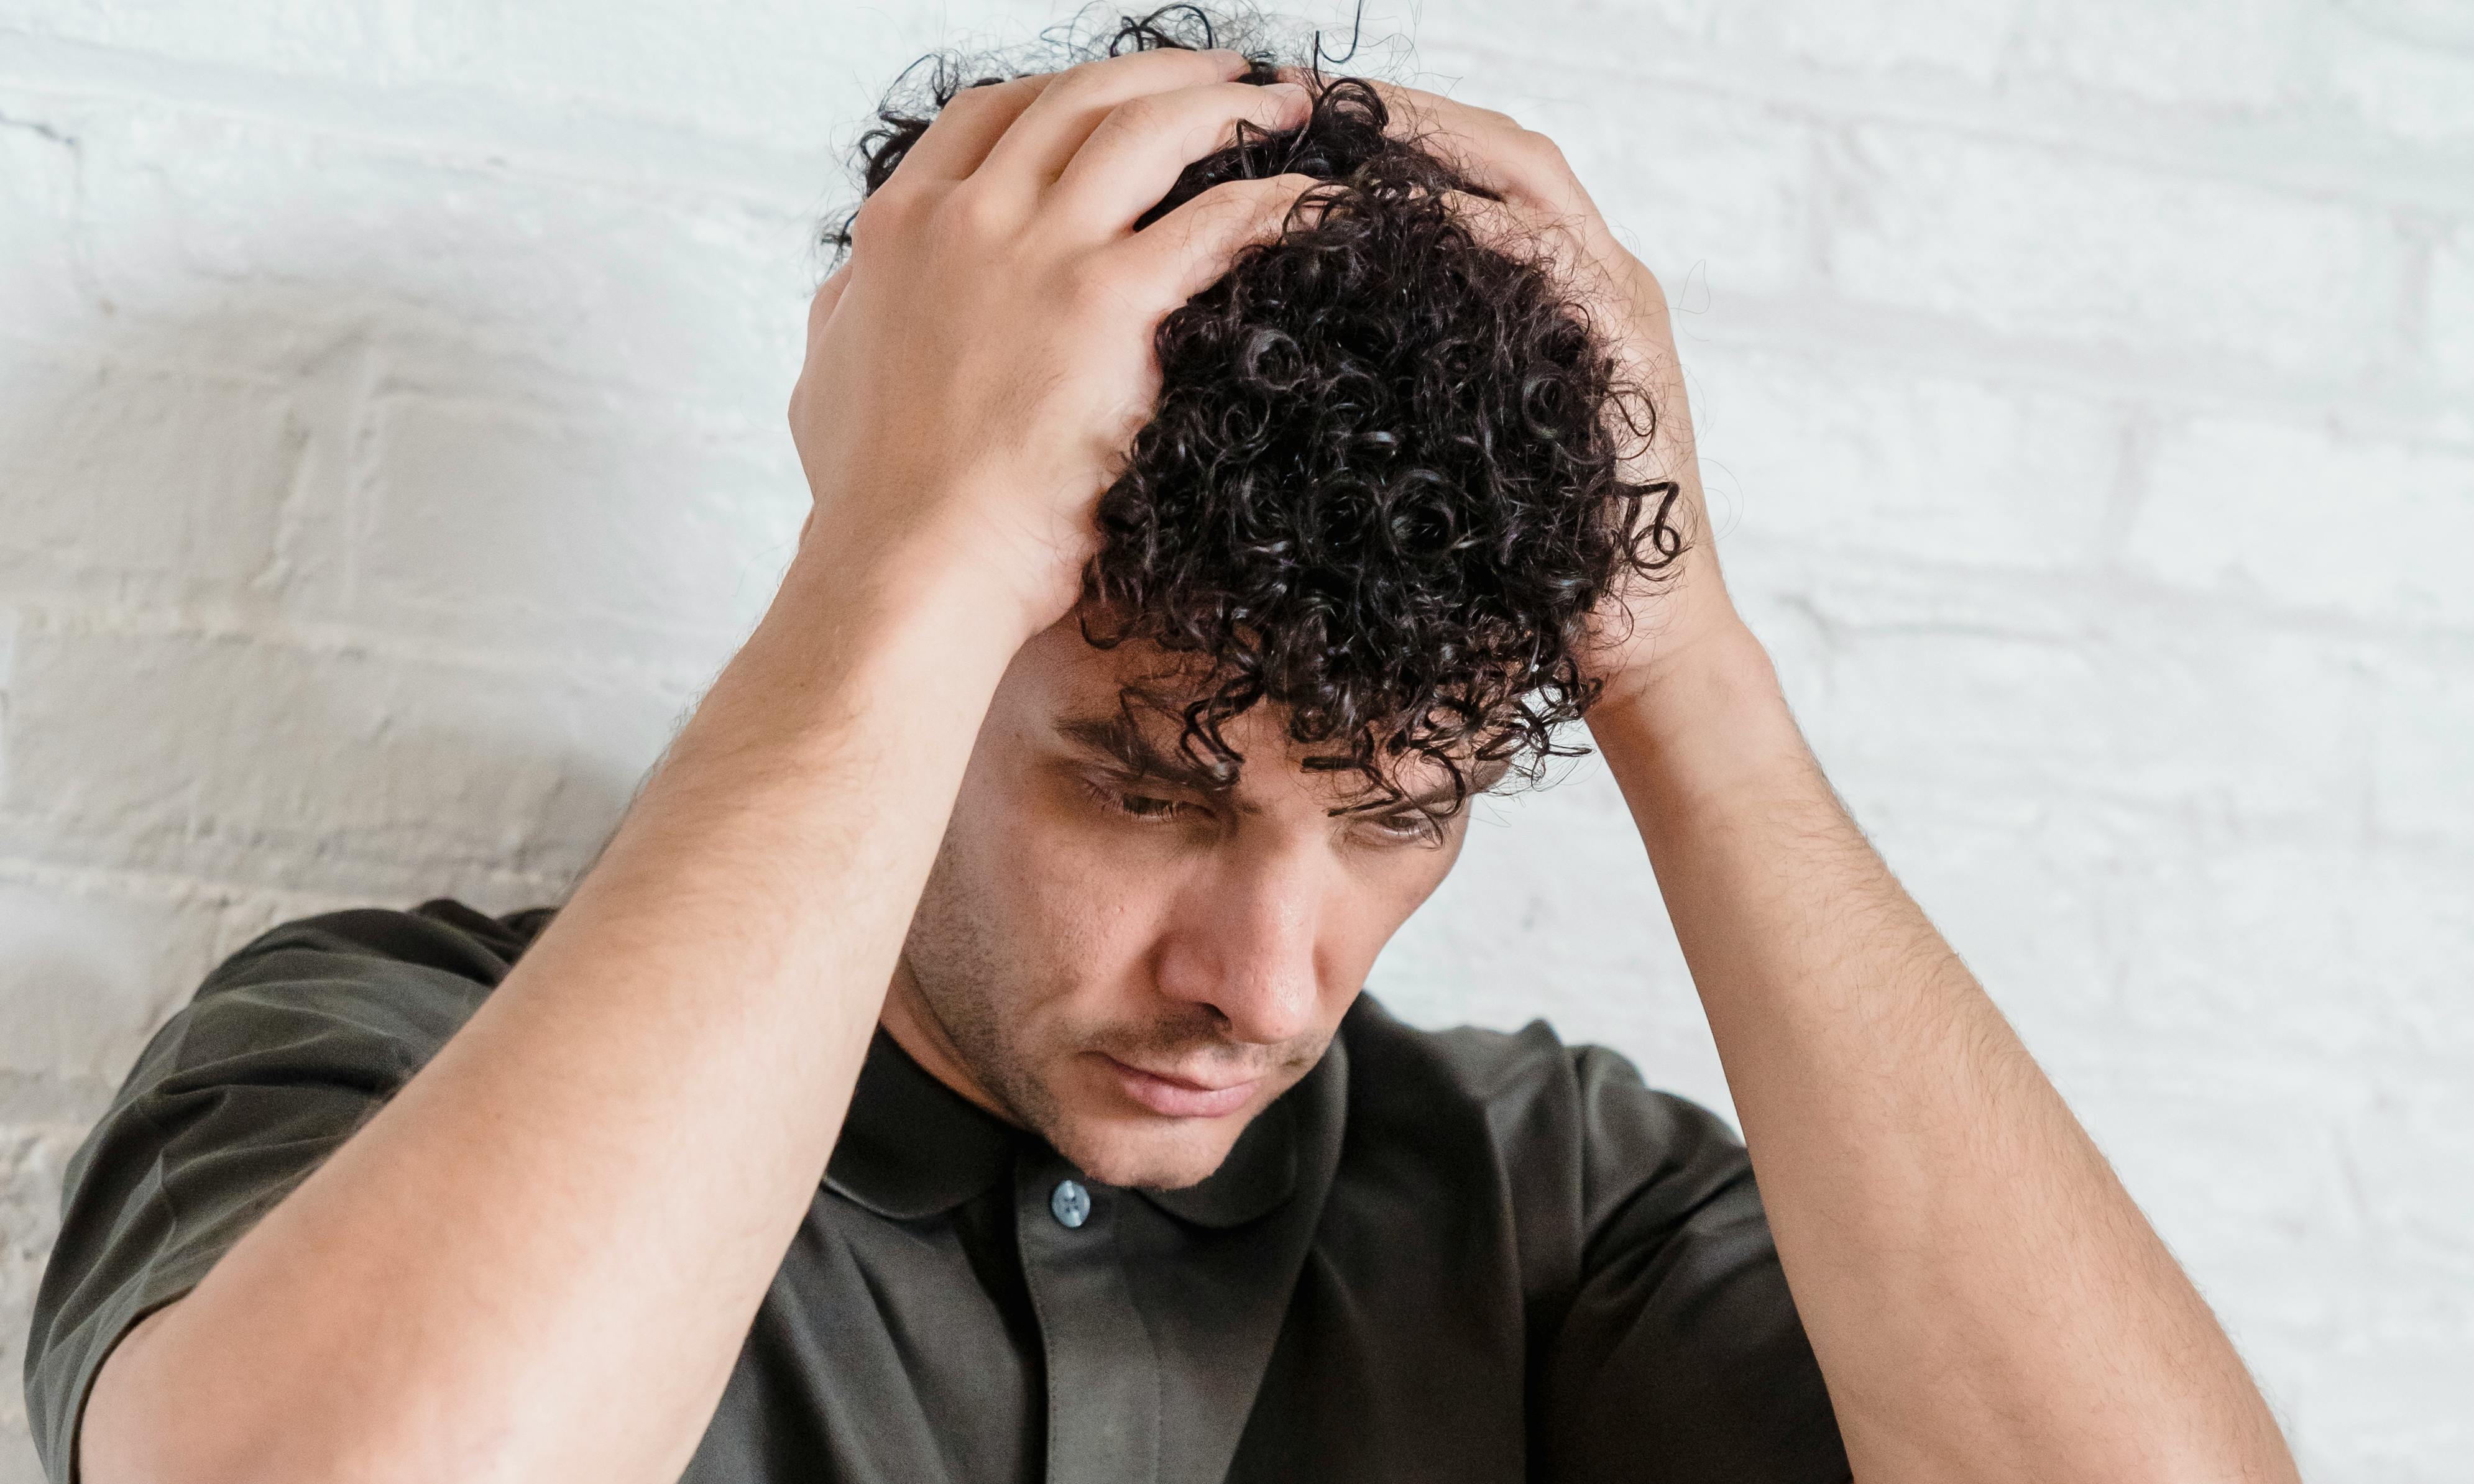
{"x":2421,"y":719}
{"x":783,"y":74}
{"x":2435,"y":23}
{"x":99,"y":959}
{"x":2068,"y":693}
{"x":141,"y":481}
{"x":2037,"y":245}
{"x":332,"y":772}
{"x":90,"y":973}
{"x":2415,"y":91}
{"x":1720,"y":210}
{"x":1972,"y":856}
{"x":249,"y":246}
{"x":2311,"y":517}
{"x":2220,"y":55}
{"x":1967,"y":41}
{"x":1452,"y":30}
{"x":39,"y":191}
{"x":341,"y":38}
{"x":512,"y":530}
{"x":2386,"y":1405}
{"x":2308,"y":948}
{"x":2447,"y":330}
{"x":1921,"y":37}
{"x":1876,"y":458}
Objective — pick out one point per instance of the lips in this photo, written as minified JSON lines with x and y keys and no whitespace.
{"x":1180,"y":1097}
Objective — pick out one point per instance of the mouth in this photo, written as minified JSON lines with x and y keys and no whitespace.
{"x":1172,"y":1097}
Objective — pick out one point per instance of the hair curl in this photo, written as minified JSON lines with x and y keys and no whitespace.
{"x":1383,"y":487}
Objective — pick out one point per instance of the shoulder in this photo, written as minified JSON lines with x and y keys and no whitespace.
{"x":286,"y":1046}
{"x":1573,"y":1120}
{"x":373,"y":984}
{"x":1470,"y":1065}
{"x":441,"y":934}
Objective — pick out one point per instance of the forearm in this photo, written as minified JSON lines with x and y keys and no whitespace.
{"x":540,"y":1259}
{"x":1985,"y":1299}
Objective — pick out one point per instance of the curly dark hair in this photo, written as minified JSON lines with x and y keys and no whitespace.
{"x":1383,"y":487}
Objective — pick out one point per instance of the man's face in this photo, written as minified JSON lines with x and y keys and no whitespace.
{"x":1125,"y":960}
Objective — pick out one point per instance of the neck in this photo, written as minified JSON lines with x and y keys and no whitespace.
{"x":915,"y":1026}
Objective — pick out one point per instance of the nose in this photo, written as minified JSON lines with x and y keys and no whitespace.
{"x":1243,"y":942}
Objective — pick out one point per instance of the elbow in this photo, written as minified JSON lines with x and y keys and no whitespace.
{"x":164,"y":1411}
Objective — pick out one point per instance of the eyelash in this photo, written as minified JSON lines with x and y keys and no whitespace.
{"x":1115,"y":800}
{"x":1419,"y":831}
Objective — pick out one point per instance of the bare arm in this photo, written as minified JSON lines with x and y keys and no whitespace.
{"x":1984,"y":1299}
{"x":540,"y":1259}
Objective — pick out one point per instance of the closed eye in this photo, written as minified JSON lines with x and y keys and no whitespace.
{"x":1411,"y":827}
{"x":1149,"y":808}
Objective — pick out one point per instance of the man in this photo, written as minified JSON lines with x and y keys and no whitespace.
{"x":1190,"y":539}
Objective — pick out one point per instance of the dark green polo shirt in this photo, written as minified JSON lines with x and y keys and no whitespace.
{"x":1442,"y":1257}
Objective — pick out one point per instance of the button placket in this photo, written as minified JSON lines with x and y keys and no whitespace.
{"x":1104,"y":1381}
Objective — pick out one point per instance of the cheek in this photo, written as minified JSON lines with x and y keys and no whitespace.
{"x":1372,"y":905}
{"x":1361,"y":919}
{"x":1080,"y":912}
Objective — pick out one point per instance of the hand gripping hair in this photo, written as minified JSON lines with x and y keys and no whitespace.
{"x":1385,"y":485}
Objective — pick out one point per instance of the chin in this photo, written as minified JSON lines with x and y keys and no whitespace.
{"x":1166,"y":1155}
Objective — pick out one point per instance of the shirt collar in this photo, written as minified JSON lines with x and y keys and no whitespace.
{"x":914,"y":1147}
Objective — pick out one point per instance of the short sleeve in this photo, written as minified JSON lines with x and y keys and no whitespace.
{"x":287,"y":1047}
{"x":1682,"y":1359}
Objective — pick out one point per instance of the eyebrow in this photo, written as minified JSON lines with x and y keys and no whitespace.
{"x":1116,"y":739}
{"x":1119,"y":741}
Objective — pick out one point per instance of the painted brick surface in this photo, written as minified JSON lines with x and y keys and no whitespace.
{"x":391,"y":447}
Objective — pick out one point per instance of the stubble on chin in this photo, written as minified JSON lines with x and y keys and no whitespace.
{"x":1141,"y":1149}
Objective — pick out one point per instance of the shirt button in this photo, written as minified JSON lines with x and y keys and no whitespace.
{"x":1070,"y":1204}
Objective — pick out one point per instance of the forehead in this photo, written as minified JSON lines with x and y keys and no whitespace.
{"x":1066,"y":693}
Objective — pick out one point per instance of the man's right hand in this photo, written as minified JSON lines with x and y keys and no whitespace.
{"x":977,"y":368}
{"x":540,"y":1258}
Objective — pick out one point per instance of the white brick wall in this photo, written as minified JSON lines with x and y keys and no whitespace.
{"x":391,"y":445}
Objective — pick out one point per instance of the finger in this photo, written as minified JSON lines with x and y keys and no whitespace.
{"x":1137,"y":154}
{"x":958,"y":136}
{"x":1491,"y":148}
{"x":1186,"y":251}
{"x":1042,"y":140}
{"x":1512,"y":228}
{"x":1616,"y":299}
{"x":1420,"y":108}
{"x":1498,"y":223}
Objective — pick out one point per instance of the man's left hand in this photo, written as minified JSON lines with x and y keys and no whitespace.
{"x":1649,"y":630}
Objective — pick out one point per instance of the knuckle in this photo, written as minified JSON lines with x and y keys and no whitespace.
{"x":977,"y":212}
{"x":878,"y":216}
{"x":1542,"y":149}
{"x":1137,"y":115}
{"x":1093,"y":286}
{"x":885,"y":200}
{"x":1079,"y":82}
{"x":1108,"y":75}
{"x":975,"y":97}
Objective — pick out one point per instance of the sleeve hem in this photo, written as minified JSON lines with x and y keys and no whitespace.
{"x":160,"y":1286}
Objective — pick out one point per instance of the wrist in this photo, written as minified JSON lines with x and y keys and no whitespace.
{"x":848,"y":637}
{"x":848,"y":566}
{"x":1707,"y":719}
